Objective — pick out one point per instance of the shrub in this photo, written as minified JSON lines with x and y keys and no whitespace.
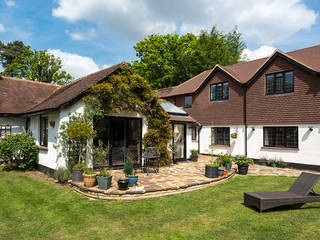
{"x":225,"y":158}
{"x":62,"y":175}
{"x":242,"y":159}
{"x":79,"y":166}
{"x":213,"y":164}
{"x":100,"y":152}
{"x":89,"y":171}
{"x":19,"y":151}
{"x":128,"y":167}
{"x":104,"y":173}
{"x":194,"y":152}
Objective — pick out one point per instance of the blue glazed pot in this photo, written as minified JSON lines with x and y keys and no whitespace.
{"x":132,"y":180}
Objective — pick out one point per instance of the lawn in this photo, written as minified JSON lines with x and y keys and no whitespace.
{"x":33,"y":209}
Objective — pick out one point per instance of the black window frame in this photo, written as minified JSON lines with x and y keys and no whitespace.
{"x":194,"y":133}
{"x":280,"y":137}
{"x":28,"y":122}
{"x":221,"y":136}
{"x":185,"y":104}
{"x":44,"y":126}
{"x":278,"y":84}
{"x":221,"y":94}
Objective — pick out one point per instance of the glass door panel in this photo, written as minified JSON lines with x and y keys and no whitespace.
{"x":101,"y":126}
{"x":117,"y":140}
{"x":133,"y":139}
{"x":179,"y":140}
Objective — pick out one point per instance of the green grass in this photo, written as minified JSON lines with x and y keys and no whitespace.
{"x":32,"y":209}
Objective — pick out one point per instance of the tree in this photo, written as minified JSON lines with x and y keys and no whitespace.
{"x":168,"y":60}
{"x":37,"y":65}
{"x":9,"y":51}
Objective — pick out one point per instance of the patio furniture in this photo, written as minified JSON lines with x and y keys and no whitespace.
{"x":152,"y":159}
{"x":300,"y":192}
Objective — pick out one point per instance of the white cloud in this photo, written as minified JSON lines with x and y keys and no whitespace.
{"x":105,"y":66}
{"x":2,"y":28}
{"x":82,"y":35}
{"x":268,"y":20}
{"x":10,"y":3}
{"x":263,"y":51}
{"x":76,"y":65}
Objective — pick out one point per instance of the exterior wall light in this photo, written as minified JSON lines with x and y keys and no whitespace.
{"x":310,"y":128}
{"x":253,"y":129}
{"x":52,"y":123}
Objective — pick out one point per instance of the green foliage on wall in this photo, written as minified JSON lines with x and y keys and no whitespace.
{"x":127,"y":92}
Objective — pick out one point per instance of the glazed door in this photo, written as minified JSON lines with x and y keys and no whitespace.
{"x":117,"y":140}
{"x":179,"y":140}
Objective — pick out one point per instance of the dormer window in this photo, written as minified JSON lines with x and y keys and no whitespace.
{"x":187,"y":101}
{"x":219,"y":91}
{"x":279,"y":83}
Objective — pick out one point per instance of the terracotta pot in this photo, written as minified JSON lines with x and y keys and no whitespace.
{"x":225,"y":172}
{"x":89,"y":180}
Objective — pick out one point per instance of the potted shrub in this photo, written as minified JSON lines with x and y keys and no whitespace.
{"x":128,"y":170}
{"x":243,"y":163}
{"x":62,"y":175}
{"x":194,"y":155}
{"x":77,"y":172}
{"x":123,"y":184}
{"x":104,"y":179}
{"x":211,"y":169}
{"x":89,"y":177}
{"x":226,"y":161}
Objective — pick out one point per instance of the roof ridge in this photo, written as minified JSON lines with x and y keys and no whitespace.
{"x":303,"y":49}
{"x":32,"y":81}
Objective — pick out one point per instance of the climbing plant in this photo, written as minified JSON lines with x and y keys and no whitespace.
{"x":128,"y":92}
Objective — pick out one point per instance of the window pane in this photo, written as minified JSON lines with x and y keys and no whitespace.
{"x":268,"y":137}
{"x":188,"y":101}
{"x":279,"y":83}
{"x":219,"y":91}
{"x":288,"y":83}
{"x":280,"y":137}
{"x":225,"y":90}
{"x":270,"y":84}
{"x":292,"y":137}
{"x":213,"y":92}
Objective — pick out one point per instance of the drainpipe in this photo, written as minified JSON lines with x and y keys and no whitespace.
{"x":199,"y":130}
{"x":245,"y":120}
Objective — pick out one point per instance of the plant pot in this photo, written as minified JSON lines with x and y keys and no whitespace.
{"x":123,"y":184}
{"x":194,"y":158}
{"x":225,"y":172}
{"x":89,"y":180}
{"x":227,"y":166}
{"x":243,"y":169}
{"x":220,"y":171}
{"x":211,"y":172}
{"x":77,"y":175}
{"x":104,"y":182}
{"x":273,"y":164}
{"x":132,"y":180}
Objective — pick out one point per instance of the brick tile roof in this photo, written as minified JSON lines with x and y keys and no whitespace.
{"x":187,"y":119}
{"x":243,"y":72}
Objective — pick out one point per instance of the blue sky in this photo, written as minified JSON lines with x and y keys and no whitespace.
{"x":91,"y":34}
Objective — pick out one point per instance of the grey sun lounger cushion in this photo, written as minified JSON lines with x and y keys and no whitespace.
{"x":300,"y":192}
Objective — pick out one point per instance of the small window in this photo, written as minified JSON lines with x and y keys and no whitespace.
{"x":280,"y":137}
{"x":188,"y":101}
{"x":219,"y":91}
{"x":44,"y":131}
{"x":220,"y":136}
{"x":279,"y":83}
{"x":194,"y":133}
{"x":28,"y":125}
{"x":5,"y":130}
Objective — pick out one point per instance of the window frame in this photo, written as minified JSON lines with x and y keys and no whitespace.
{"x":275,"y":77}
{"x":194,"y":133}
{"x":44,"y":126}
{"x":277,"y":136}
{"x":221,"y":96}
{"x":184,"y":104}
{"x":216,"y":139}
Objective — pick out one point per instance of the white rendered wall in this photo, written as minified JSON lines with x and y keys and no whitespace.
{"x":191,"y":144}
{"x":236,"y":145}
{"x":17,"y":124}
{"x":308,"y":144}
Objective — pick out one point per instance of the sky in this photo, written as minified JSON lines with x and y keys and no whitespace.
{"x":89,"y":35}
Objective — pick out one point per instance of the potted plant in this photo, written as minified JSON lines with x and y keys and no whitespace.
{"x":243,"y":163}
{"x":77,"y":172}
{"x":274,"y":163}
{"x":211,"y":169}
{"x":220,"y":171}
{"x":89,"y":177}
{"x":194,"y":155}
{"x":226,"y":161}
{"x":128,"y":170}
{"x":62,"y":175}
{"x":104,"y":179}
{"x":123,"y":184}
{"x":234,"y":135}
{"x":263,"y":161}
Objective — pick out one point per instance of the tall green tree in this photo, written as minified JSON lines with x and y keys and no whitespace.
{"x":168,"y":60}
{"x":9,"y":51}
{"x":37,"y":65}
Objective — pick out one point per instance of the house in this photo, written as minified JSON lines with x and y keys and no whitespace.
{"x":269,"y":106}
{"x":41,"y":109}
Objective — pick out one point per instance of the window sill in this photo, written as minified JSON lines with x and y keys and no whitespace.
{"x":195,"y":141}
{"x":43,"y":148}
{"x":218,"y":101}
{"x":219,"y":146}
{"x":280,"y":148}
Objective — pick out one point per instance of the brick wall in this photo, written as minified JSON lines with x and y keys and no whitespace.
{"x":301,"y":106}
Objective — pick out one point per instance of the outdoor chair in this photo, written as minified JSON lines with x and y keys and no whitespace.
{"x":152,"y":159}
{"x":299,"y":193}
